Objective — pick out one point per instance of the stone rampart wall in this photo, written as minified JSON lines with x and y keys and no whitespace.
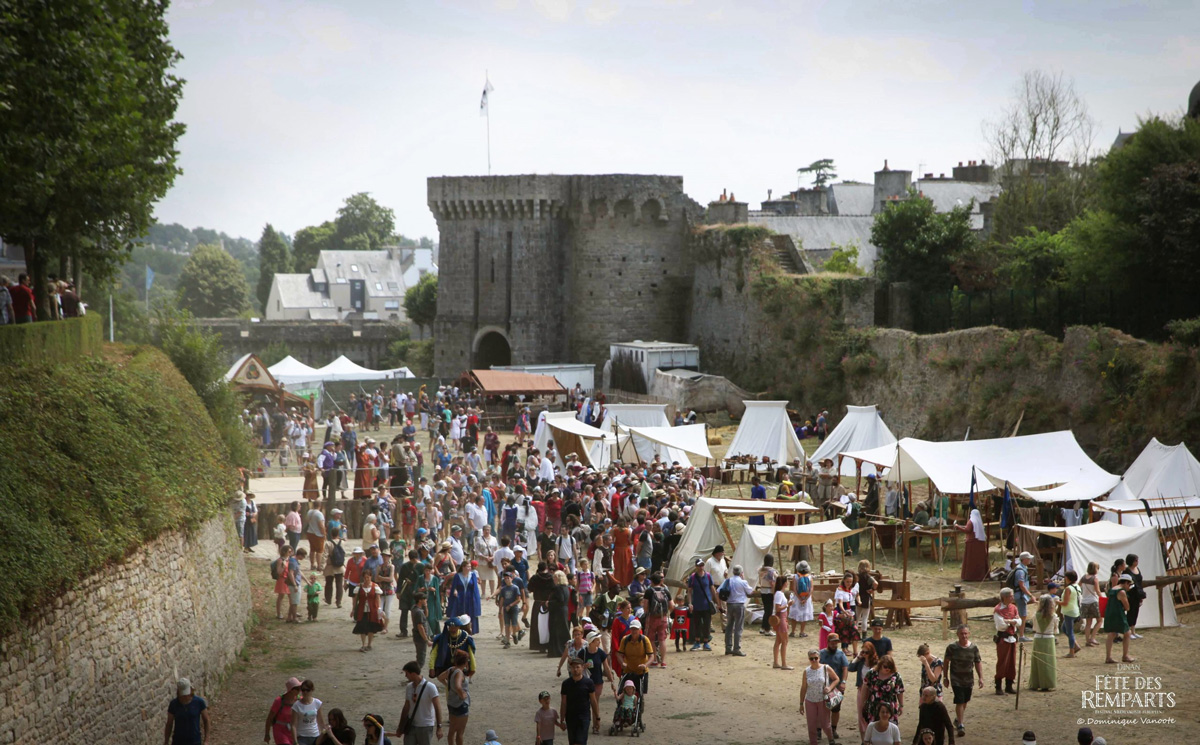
{"x":99,"y":665}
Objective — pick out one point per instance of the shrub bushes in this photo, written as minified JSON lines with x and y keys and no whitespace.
{"x":100,"y":456}
{"x":51,"y":341}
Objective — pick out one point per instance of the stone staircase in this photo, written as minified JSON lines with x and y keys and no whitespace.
{"x":785,"y":258}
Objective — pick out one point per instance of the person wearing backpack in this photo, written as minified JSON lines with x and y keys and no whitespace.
{"x":658,"y":604}
{"x":334,"y":568}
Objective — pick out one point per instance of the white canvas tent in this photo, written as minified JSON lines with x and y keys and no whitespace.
{"x":765,"y":430}
{"x":861,"y":429}
{"x":675,"y":443}
{"x":344,"y":369}
{"x":1029,"y":463}
{"x":1161,"y":472}
{"x":291,"y":371}
{"x":571,"y":435}
{"x":759,"y":540}
{"x":1101,"y":541}
{"x":704,"y":530}
{"x":623,"y":416}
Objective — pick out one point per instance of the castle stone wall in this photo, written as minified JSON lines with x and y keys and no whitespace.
{"x":100,"y":665}
{"x":315,"y":343}
{"x":559,"y":265}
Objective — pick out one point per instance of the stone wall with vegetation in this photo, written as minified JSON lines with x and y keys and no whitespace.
{"x":793,"y":337}
{"x":98,"y":663}
{"x":1115,"y":392}
{"x":786,"y":335}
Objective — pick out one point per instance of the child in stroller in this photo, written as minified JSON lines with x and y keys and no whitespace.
{"x":628,"y":713}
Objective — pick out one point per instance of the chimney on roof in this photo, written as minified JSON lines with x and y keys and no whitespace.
{"x":960,"y":164}
{"x":941,"y":175}
{"x":885,"y":167}
{"x":929,"y":175}
{"x":983,"y":162}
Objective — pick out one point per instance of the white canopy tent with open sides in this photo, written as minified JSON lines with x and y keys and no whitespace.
{"x":1161,"y":472}
{"x":758,"y":540}
{"x":706,"y":527}
{"x":861,"y":429}
{"x":344,"y":369}
{"x":1029,"y":463}
{"x":290,"y":371}
{"x":765,"y":430}
{"x":1101,"y":541}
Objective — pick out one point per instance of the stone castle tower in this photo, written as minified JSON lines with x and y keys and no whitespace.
{"x":540,"y":269}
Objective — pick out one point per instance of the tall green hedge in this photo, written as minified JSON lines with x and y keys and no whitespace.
{"x":98,"y":456}
{"x":51,"y":341}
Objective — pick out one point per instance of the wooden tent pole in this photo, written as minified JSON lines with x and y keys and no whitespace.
{"x":725,"y":530}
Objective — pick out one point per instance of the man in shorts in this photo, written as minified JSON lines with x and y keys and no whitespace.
{"x":509,"y":598}
{"x":956,"y":673}
{"x":658,"y":604}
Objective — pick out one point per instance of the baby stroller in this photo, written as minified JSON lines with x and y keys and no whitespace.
{"x":631,"y":719}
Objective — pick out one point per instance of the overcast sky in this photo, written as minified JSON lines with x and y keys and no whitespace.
{"x":291,"y":106}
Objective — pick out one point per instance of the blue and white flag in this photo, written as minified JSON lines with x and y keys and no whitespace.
{"x":149,"y":278}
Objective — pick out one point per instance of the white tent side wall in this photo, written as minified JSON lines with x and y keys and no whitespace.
{"x":1150,"y":561}
{"x":702,"y":534}
{"x":642,"y":415}
{"x":861,"y":429}
{"x":765,"y":430}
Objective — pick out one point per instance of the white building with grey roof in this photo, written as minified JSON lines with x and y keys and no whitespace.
{"x":344,"y":284}
{"x":822,"y":219}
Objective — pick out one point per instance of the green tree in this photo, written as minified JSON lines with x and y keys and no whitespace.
{"x":843,"y":260}
{"x":87,"y":102}
{"x":822,"y":171}
{"x":272,"y":259}
{"x":361,"y":215}
{"x":415,"y":355}
{"x":1034,"y":260}
{"x":275,"y":352}
{"x":420,"y":301}
{"x":310,"y":242}
{"x":211,"y":284}
{"x":920,"y":245}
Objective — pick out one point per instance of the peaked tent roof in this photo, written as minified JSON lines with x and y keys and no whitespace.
{"x":766,"y":430}
{"x":250,"y":372}
{"x":861,"y":429}
{"x":653,"y":416}
{"x":1101,"y":540}
{"x":291,"y":370}
{"x":1029,"y":462}
{"x":344,"y":369}
{"x":685,"y":439}
{"x":1161,"y":471}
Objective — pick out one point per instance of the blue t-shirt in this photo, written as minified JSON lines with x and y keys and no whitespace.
{"x":837,"y":660}
{"x":595,"y":665}
{"x":701,"y":587}
{"x":883,"y":645}
{"x":522,"y":567}
{"x":187,"y":721}
{"x":510,"y":594}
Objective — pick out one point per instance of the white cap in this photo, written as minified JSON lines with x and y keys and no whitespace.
{"x":635,"y":624}
{"x":183,"y":687}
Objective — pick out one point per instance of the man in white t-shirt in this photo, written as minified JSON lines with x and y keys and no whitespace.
{"x":477,"y":516}
{"x":504,"y":552}
{"x":421,"y":703}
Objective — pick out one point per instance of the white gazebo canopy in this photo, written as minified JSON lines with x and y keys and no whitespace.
{"x":290,"y":370}
{"x":1030,"y":463}
{"x":344,"y":369}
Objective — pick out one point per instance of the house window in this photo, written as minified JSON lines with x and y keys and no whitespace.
{"x":379,"y":286}
{"x":394,"y":287}
{"x":341,"y":280}
{"x":391,"y":305}
{"x":354,"y":267}
{"x":324,"y":303}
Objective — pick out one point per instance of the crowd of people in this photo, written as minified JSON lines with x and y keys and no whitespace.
{"x":571,"y":559}
{"x":17,"y":303}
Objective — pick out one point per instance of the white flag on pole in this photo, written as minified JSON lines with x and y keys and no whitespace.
{"x":483,"y":102}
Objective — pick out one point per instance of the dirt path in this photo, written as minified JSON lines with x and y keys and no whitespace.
{"x":701,"y":697}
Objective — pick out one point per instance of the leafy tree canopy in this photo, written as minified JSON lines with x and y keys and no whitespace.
{"x":919,"y":245}
{"x":822,"y":171}
{"x":87,"y":103}
{"x":273,"y":258}
{"x":844,"y":260}
{"x":310,"y":242}
{"x":211,"y":284}
{"x":365,"y":222}
{"x":420,"y":300}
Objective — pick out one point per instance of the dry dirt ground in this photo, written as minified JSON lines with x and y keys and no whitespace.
{"x":707,"y":697}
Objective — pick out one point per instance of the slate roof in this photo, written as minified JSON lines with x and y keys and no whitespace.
{"x":823,"y":231}
{"x":295,"y":291}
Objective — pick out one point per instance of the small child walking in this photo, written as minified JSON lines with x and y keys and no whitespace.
{"x":313,"y":592}
{"x":545,"y":719}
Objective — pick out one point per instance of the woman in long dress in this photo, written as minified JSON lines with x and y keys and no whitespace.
{"x":1043,"y":669}
{"x":363,"y":473}
{"x":309,"y":472}
{"x":623,"y":553}
{"x":368,"y":619}
{"x":456,"y":425}
{"x":250,"y":531}
{"x":975,"y":558}
{"x":560,"y":625}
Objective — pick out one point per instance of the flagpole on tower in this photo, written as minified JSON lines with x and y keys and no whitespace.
{"x":486,"y":114}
